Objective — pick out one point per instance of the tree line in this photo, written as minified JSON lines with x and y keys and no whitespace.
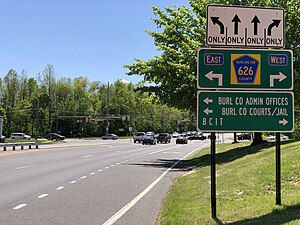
{"x":79,"y":107}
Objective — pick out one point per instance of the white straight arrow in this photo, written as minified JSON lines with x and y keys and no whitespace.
{"x":208,"y":100}
{"x":283,"y":122}
{"x":208,"y":111}
{"x":279,"y":77}
{"x":211,"y":76}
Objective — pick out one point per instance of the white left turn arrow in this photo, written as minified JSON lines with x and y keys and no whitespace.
{"x":208,"y":100}
{"x":283,"y":122}
{"x":279,"y":77}
{"x":208,"y":111}
{"x":218,"y":76}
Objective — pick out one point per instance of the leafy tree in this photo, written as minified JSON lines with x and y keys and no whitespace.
{"x":171,"y":75}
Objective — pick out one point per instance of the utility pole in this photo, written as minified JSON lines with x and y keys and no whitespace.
{"x":108,"y":114}
{"x":56,"y":129}
{"x":37,"y":119}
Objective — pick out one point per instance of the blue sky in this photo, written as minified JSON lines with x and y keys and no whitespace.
{"x":90,"y":38}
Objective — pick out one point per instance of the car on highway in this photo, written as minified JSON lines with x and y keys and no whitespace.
{"x":175,"y":134}
{"x":20,"y":136}
{"x":181,"y":139}
{"x":138,"y":137}
{"x":197,"y":136}
{"x":149,"y":139}
{"x":163,"y":138}
{"x":110,"y":137}
{"x":55,"y":136}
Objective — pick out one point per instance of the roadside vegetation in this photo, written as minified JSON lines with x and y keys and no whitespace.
{"x":245,"y":187}
{"x":79,"y":107}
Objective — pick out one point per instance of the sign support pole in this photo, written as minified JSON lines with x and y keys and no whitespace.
{"x":213,"y":175}
{"x":278,"y":170}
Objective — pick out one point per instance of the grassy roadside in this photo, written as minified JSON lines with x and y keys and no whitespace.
{"x":245,"y":187}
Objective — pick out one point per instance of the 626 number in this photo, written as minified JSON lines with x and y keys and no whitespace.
{"x":245,"y":71}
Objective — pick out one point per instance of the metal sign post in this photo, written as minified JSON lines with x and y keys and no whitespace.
{"x":244,"y":89}
{"x":213,"y":175}
{"x":278,"y":170}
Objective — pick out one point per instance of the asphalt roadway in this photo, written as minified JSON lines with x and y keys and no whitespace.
{"x":89,"y":182}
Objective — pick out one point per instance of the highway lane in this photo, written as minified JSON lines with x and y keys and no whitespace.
{"x":88,"y":184}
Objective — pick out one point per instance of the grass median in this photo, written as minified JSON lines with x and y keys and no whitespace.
{"x":246,"y":188}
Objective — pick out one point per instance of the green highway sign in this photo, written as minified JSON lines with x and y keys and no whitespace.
{"x":245,"y":69}
{"x":236,"y":111}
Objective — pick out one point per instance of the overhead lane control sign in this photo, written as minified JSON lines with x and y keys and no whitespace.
{"x":245,"y":111}
{"x":242,"y":69}
{"x":245,"y":26}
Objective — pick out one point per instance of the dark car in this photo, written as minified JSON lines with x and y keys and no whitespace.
{"x":244,"y":136}
{"x":198,"y":136}
{"x":181,"y":140}
{"x":110,"y":137}
{"x":163,"y":138}
{"x":54,"y":136}
{"x":149,"y":139}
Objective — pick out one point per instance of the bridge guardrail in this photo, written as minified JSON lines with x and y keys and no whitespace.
{"x":22,"y":144}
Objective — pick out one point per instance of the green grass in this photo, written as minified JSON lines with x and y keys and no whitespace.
{"x":245,"y":187}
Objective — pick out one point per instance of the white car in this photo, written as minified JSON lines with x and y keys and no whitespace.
{"x":282,"y":138}
{"x":20,"y":136}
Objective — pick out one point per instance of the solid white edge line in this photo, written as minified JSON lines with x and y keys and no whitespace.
{"x":122,"y":211}
{"x":20,"y":206}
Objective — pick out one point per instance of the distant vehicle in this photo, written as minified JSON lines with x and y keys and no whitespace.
{"x":54,"y":136}
{"x":175,"y":134}
{"x":138,"y":137}
{"x":2,"y":139}
{"x":181,"y":140}
{"x":149,"y":139}
{"x":282,"y":138}
{"x":163,"y":138}
{"x":110,"y":137}
{"x":20,"y":136}
{"x":197,"y":136}
{"x":150,"y":133}
{"x":244,"y":136}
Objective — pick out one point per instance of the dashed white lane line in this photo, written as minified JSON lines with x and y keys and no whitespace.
{"x":125,"y":208}
{"x":85,"y":156}
{"x":25,"y":167}
{"x":43,"y":196}
{"x":20,"y":206}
